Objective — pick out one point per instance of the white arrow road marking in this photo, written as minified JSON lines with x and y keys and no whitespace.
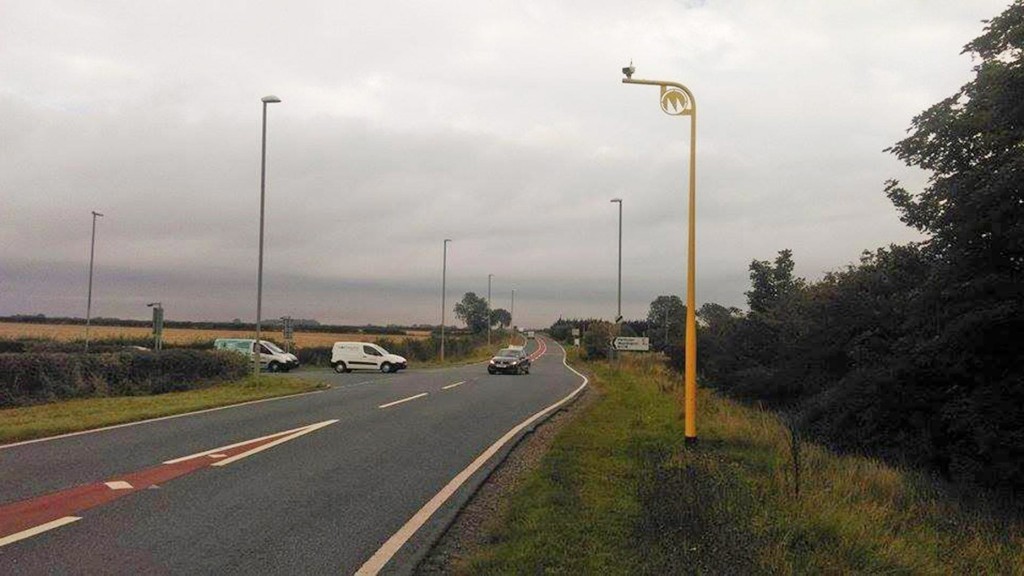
{"x":263,"y":447}
{"x":235,"y":445}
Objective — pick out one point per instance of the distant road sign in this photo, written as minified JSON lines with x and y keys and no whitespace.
{"x":632,"y":343}
{"x":575,"y":331}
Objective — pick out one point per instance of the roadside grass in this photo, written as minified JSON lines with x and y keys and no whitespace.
{"x":618,"y":493}
{"x":30,"y":422}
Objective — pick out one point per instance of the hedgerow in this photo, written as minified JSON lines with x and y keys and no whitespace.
{"x":32,"y":378}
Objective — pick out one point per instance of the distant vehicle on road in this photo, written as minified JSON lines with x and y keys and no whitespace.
{"x":272,"y":358}
{"x":348,"y":356}
{"x":530,"y":335}
{"x":511,"y":360}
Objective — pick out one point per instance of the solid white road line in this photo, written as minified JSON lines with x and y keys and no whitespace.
{"x":119,"y":485}
{"x":37,"y":530}
{"x":453,"y":385}
{"x":390,"y":404}
{"x":388,"y":550}
{"x":126,"y":424}
{"x":263,"y":447}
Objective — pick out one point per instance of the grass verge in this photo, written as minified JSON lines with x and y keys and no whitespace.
{"x":29,"y":422}
{"x":619,"y":494}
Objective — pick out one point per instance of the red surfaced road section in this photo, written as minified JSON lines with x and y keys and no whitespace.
{"x":20,"y":516}
{"x":540,"y":352}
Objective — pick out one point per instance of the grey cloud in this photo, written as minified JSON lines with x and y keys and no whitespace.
{"x":501,"y":125}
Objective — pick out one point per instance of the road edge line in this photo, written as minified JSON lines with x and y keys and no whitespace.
{"x":157,"y":419}
{"x":387,"y":551}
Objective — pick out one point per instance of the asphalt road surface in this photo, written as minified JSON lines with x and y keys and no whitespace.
{"x":312,"y":484}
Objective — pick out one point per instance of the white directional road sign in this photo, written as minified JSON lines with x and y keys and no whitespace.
{"x":632,"y":343}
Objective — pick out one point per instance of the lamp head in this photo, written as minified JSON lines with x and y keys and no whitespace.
{"x":619,"y":200}
{"x":270,"y":99}
{"x":629,"y":70}
{"x":95,"y":213}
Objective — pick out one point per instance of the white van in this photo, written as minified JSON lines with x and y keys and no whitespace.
{"x":272,"y":358}
{"x":348,"y":356}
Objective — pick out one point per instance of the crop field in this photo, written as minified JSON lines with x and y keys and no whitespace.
{"x":66,"y":332}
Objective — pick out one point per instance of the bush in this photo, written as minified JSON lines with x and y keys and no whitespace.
{"x":597,"y":340}
{"x":30,"y":378}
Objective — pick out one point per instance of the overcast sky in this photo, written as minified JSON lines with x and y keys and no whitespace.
{"x":501,"y":125}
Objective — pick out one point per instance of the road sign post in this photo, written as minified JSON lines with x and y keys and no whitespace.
{"x":289,"y":332}
{"x":158,"y":327}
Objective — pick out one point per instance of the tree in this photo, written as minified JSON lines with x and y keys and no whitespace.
{"x":598,"y":339}
{"x":666,"y":321}
{"x":961,"y":354}
{"x":501,"y":317}
{"x":770,"y":284}
{"x":473,"y":311}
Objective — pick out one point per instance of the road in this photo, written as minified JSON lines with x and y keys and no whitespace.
{"x":313,"y":500}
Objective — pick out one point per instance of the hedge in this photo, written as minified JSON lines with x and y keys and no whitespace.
{"x":33,"y":378}
{"x":412,"y":349}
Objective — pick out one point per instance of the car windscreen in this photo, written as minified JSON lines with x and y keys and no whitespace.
{"x":508,"y":352}
{"x":273,"y":348}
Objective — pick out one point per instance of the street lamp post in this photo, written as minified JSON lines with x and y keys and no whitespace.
{"x":92,"y":254}
{"x":677,"y":100}
{"x":618,"y":313}
{"x":263,"y":189}
{"x":489,"y":278}
{"x":444,"y":286}
{"x":512,"y":314}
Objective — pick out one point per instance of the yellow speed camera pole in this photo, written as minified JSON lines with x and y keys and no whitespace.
{"x":677,"y":100}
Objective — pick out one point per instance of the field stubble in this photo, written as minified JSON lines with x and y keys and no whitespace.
{"x":69,"y":332}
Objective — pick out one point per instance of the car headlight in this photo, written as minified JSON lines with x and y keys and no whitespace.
{"x":492,"y":361}
{"x":514,"y":362}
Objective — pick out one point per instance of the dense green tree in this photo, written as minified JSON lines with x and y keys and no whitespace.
{"x":962,"y":357}
{"x":666,"y":321}
{"x":473,"y":311}
{"x":771,"y":283}
{"x":501,"y":317}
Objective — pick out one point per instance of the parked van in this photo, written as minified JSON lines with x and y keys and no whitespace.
{"x":272,"y":358}
{"x":348,"y":356}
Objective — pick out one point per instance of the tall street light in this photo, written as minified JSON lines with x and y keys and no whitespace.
{"x":444,"y":287}
{"x":618,"y":315}
{"x":489,"y":278}
{"x":677,"y":100}
{"x":92,"y":254}
{"x":263,"y":194}
{"x":512,"y":313}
